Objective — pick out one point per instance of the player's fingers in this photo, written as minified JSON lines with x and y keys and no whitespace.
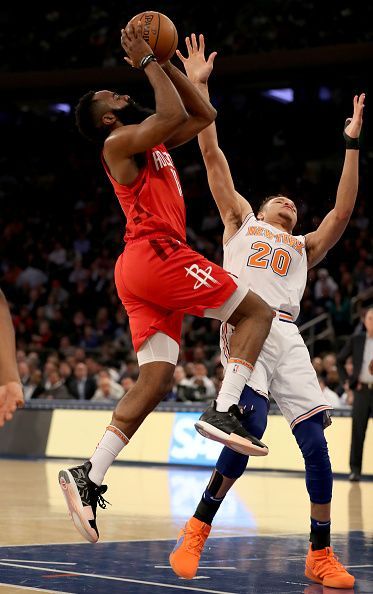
{"x":211,"y":58}
{"x":194,"y":43}
{"x":126,"y":36}
{"x":201,"y":43}
{"x":361,"y":100}
{"x":180,"y":56}
{"x":130,"y":31}
{"x":189,"y":45}
{"x":128,"y":61}
{"x":138,"y":29}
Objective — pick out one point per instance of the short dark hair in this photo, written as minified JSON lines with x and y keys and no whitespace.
{"x":85,"y":119}
{"x":266,"y":200}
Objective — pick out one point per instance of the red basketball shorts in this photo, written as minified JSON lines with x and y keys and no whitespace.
{"x":160,"y":279}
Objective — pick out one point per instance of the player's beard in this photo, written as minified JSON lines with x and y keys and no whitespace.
{"x":132,"y":113}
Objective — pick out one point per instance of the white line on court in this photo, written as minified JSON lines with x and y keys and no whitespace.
{"x":201,"y":567}
{"x":33,"y":589}
{"x":356,"y":566}
{"x":33,"y":561}
{"x":117,"y":579}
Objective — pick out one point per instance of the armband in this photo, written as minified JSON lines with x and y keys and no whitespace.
{"x":351,"y":143}
{"x":146,"y":60}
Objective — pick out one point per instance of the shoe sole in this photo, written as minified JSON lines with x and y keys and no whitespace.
{"x":232,"y":441}
{"x":311,"y":576}
{"x":74,"y":505}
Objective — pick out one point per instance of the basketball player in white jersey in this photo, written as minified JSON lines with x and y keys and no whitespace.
{"x":262,"y":250}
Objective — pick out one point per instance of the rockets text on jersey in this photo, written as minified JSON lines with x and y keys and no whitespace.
{"x":153,"y":204}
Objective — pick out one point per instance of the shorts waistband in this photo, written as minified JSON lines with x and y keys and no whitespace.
{"x":283,"y":316}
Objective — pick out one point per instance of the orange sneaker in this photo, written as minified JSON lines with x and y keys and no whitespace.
{"x":185,"y":557}
{"x":324,"y":568}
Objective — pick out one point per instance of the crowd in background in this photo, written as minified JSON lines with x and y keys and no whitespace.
{"x":91,"y":33}
{"x":75,"y":374}
{"x":62,"y":228}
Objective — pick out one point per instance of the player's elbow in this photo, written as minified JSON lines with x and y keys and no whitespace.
{"x":178,"y":119}
{"x":208,"y":117}
{"x":212,"y":113}
{"x":343,"y":215}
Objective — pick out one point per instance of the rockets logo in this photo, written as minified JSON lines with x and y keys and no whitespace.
{"x":203,"y":276}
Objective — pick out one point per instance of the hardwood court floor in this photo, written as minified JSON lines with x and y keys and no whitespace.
{"x":151,"y":504}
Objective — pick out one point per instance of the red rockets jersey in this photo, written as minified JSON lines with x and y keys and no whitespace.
{"x":153,"y":203}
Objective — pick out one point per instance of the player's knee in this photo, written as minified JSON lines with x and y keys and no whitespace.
{"x":231,"y":464}
{"x":311,"y":439}
{"x":256,"y":406}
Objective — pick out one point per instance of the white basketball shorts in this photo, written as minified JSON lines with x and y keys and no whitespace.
{"x":284,"y":370}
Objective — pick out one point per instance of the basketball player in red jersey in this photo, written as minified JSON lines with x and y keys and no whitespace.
{"x":158,"y":276}
{"x":11,"y":394}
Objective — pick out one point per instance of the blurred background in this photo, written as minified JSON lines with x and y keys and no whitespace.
{"x":283,"y":84}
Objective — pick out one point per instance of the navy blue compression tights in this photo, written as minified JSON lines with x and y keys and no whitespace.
{"x":310,"y":438}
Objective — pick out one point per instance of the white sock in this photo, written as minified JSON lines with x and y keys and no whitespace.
{"x":236,"y":375}
{"x":107,"y":450}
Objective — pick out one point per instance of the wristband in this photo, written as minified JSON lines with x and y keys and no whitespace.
{"x":351,"y":143}
{"x":146,"y":60}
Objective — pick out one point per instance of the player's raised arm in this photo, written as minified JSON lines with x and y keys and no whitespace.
{"x":200,"y":111}
{"x":232,"y":206}
{"x":332,"y":227}
{"x":170,"y":112}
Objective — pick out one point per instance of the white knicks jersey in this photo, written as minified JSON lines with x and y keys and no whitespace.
{"x":271,"y":262}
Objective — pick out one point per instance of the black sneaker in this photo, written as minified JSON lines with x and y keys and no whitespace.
{"x":227,"y":428}
{"x":82,"y":497}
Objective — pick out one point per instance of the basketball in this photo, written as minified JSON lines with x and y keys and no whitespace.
{"x":159,"y":32}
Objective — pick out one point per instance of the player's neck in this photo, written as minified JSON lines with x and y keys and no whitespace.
{"x":279,"y":225}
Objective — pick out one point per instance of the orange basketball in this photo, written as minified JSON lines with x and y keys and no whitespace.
{"x":159,"y":32}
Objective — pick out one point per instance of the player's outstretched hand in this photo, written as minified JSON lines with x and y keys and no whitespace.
{"x":196,"y":66}
{"x":355,"y":123}
{"x":134,"y":45}
{"x":11,"y":398}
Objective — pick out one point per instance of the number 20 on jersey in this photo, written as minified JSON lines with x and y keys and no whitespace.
{"x":264,"y":255}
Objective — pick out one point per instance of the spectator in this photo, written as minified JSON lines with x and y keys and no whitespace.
{"x":66,"y":374}
{"x":35,"y":386}
{"x":182,"y":389}
{"x":204,"y":386}
{"x":331,"y":396}
{"x":127,"y":383}
{"x":54,"y":388}
{"x":360,"y":347}
{"x":24,"y":374}
{"x":318,"y":365}
{"x":325,"y":286}
{"x":82,"y":387}
{"x":107,"y":390}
